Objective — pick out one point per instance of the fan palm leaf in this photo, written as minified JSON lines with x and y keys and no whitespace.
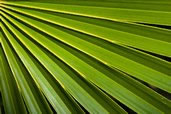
{"x":99,"y":56}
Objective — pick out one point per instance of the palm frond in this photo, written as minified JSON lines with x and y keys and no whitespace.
{"x":98,"y":56}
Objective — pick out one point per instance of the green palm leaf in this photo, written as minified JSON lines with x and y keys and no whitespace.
{"x":99,"y":56}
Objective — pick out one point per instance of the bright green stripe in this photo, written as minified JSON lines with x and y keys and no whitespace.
{"x":124,"y":5}
{"x":133,"y":15}
{"x":70,"y":85}
{"x":64,"y":56}
{"x":160,"y":65}
{"x":19,"y":77}
{"x":35,"y":101}
{"x":123,"y":36}
{"x":58,"y":99}
{"x":12,"y":100}
{"x":83,"y":51}
{"x":149,"y":75}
